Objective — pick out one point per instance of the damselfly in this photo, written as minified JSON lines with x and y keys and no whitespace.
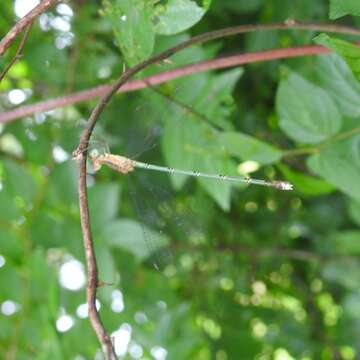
{"x":125,"y":165}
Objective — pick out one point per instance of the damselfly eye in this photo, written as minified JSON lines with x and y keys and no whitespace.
{"x":94,"y":153}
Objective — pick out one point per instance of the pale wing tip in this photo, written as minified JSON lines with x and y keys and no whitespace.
{"x":283,"y":185}
{"x":286,"y":186}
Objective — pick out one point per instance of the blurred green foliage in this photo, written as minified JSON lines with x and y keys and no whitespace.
{"x":193,"y":269}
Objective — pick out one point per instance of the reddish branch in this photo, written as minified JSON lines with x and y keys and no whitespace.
{"x":80,"y":155}
{"x":23,"y":23}
{"x":165,"y":76}
{"x":18,"y":52}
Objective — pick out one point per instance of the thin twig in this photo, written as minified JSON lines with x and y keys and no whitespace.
{"x":18,"y":52}
{"x":317,"y":148}
{"x":183,"y":105}
{"x":80,"y":154}
{"x":289,"y":253}
{"x":133,"y":85}
{"x":23,"y":23}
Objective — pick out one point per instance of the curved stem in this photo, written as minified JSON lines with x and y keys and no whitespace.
{"x":317,"y":148}
{"x":300,"y":151}
{"x":18,"y":52}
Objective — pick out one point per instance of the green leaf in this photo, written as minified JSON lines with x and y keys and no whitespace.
{"x":339,"y":165}
{"x":63,"y":184}
{"x":346,"y":242}
{"x":107,"y":270}
{"x":341,"y":85}
{"x":176,"y":148}
{"x":349,"y":51}
{"x":190,"y":143}
{"x":103,"y":204}
{"x":247,"y":147}
{"x":36,"y":140}
{"x":42,"y":276}
{"x":219,"y":190}
{"x":307,"y":118}
{"x":306,"y":184}
{"x":9,"y":208}
{"x":134,"y":237}
{"x":57,"y":228}
{"x":17,"y":190}
{"x":354,"y":211}
{"x":340,"y":8}
{"x":214,"y":97}
{"x":344,"y":272}
{"x":351,"y":305}
{"x":193,"y":146}
{"x":176,"y":15}
{"x":18,"y":181}
{"x":11,"y":283}
{"x":237,"y":6}
{"x":11,"y":244}
{"x":131,"y":22}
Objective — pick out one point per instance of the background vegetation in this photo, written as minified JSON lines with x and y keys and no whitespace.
{"x":191,"y":269}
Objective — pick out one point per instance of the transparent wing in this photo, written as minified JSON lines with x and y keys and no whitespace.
{"x":156,"y":241}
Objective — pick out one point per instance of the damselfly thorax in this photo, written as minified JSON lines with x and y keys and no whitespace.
{"x":116,"y":162}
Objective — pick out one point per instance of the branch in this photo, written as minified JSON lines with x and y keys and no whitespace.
{"x":189,"y":69}
{"x":219,"y":63}
{"x":80,"y":155}
{"x":23,"y":23}
{"x":288,"y":253}
{"x":18,"y":52}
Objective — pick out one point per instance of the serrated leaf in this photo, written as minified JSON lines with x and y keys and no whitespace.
{"x":214,"y":98}
{"x":176,"y":16}
{"x":308,"y":185}
{"x":338,"y":165}
{"x":131,"y":22}
{"x":307,"y":113}
{"x":193,"y":147}
{"x":349,"y":51}
{"x":190,"y":143}
{"x":338,"y":80}
{"x":247,"y":147}
{"x":340,"y":8}
{"x":134,"y":237}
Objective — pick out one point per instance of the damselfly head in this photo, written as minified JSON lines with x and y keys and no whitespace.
{"x":94,"y":154}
